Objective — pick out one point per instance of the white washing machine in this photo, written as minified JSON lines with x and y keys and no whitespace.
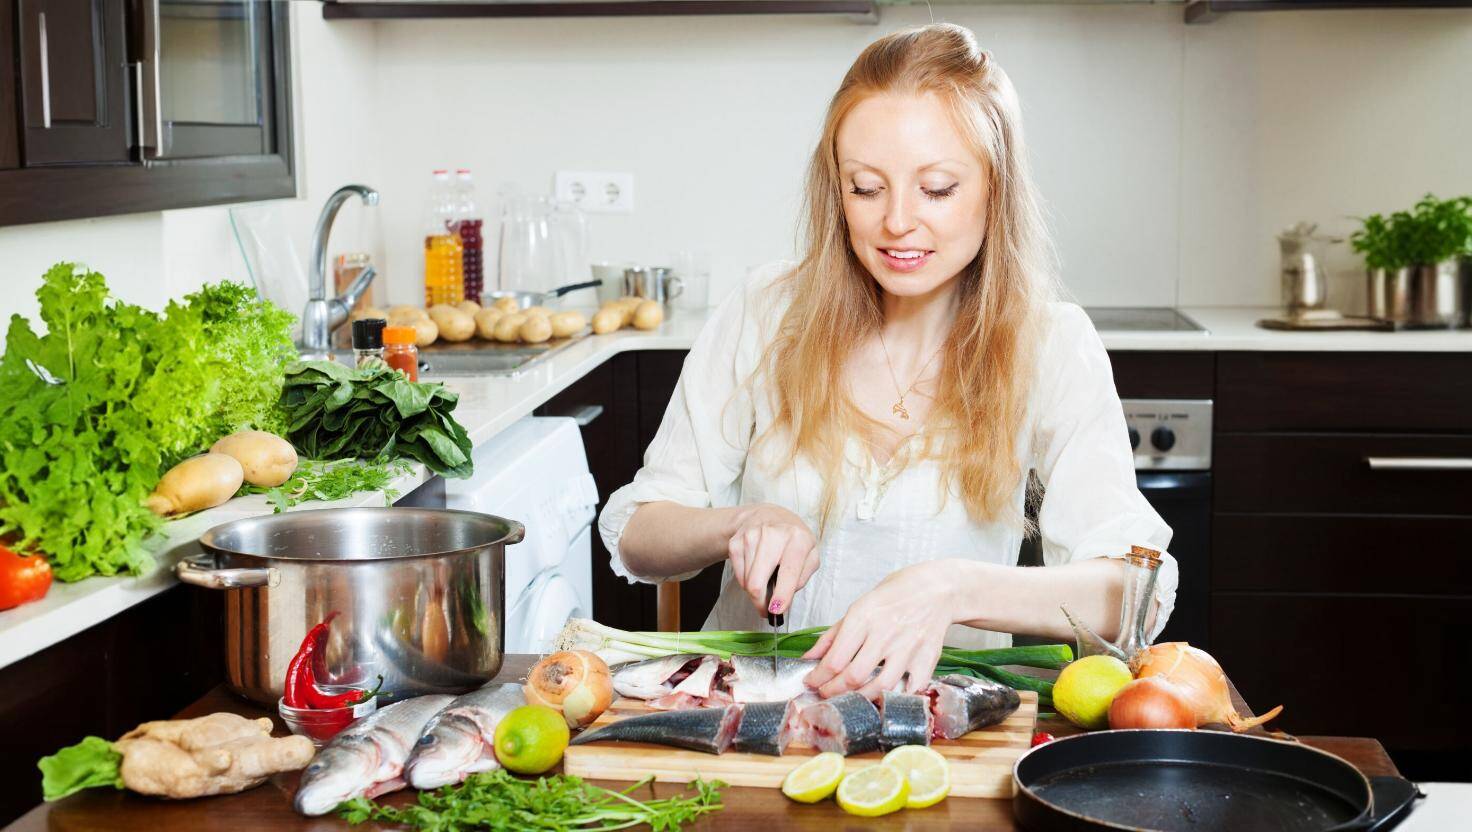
{"x":536,"y":472}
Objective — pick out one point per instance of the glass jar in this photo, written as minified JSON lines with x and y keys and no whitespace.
{"x":399,"y":351}
{"x":368,"y":342}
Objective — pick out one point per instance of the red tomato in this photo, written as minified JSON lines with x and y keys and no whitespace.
{"x":22,"y":578}
{"x":1041,"y":737}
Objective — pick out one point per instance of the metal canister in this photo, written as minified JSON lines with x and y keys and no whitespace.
{"x":653,"y":283}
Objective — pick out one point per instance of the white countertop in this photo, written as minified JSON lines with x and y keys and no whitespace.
{"x":489,"y":404}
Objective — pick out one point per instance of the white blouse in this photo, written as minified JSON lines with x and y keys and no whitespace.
{"x":893,"y":515}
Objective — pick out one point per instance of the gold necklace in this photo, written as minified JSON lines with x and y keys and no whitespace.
{"x":899,"y":406}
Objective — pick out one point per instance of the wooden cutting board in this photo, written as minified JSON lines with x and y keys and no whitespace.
{"x":981,"y":761}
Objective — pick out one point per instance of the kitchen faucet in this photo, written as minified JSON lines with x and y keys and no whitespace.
{"x":322,"y":316}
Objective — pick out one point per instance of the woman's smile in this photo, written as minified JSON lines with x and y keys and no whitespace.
{"x":906,"y":259}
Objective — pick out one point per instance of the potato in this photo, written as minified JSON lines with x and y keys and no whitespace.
{"x":537,"y":311}
{"x":368,"y":312}
{"x":649,"y":315}
{"x":485,"y":322}
{"x":567,"y":323}
{"x":508,"y":329}
{"x":607,"y":320}
{"x":268,"y":459}
{"x":536,"y":329}
{"x":200,"y":482}
{"x":507,"y":305}
{"x":453,"y":324}
{"x":469,"y":307}
{"x":406,"y":315}
{"x":425,"y":332}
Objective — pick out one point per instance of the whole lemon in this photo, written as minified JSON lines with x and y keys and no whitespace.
{"x":531,"y":739}
{"x":1086,"y":688}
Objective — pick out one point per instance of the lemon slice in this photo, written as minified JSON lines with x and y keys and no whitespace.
{"x":814,"y":779}
{"x":873,"y":791}
{"x":928,"y":773}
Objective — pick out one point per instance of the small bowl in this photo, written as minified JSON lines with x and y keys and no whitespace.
{"x":320,"y":725}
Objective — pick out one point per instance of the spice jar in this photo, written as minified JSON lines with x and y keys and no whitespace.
{"x":368,"y":342}
{"x":399,"y":351}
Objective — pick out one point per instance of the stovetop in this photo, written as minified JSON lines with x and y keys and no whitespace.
{"x":1140,"y":319}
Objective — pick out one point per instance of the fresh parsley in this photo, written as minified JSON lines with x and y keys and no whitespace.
{"x":496,"y":800}
{"x":335,"y":480}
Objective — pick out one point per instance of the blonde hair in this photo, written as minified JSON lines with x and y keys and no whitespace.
{"x":987,"y":363}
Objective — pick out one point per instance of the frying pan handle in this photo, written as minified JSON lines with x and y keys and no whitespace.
{"x":573,"y":287}
{"x":1394,"y":797}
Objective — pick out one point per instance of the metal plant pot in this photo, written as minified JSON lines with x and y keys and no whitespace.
{"x":415,"y":594}
{"x":1430,"y":296}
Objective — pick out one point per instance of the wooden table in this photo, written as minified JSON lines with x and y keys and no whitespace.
{"x":268,"y":807}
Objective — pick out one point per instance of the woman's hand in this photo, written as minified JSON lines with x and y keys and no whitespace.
{"x":901,"y":622}
{"x":771,"y":539}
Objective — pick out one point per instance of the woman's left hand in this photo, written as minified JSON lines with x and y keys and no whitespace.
{"x":901,"y":623}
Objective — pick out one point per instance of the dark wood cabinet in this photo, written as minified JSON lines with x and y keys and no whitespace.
{"x":120,"y":106}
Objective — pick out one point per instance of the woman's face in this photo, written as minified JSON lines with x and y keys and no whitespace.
{"x":914,"y":194}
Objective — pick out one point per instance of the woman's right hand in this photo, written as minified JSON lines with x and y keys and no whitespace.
{"x":771,"y":539}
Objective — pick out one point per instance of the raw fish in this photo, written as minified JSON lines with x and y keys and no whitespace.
{"x":459,"y":740}
{"x":368,"y":758}
{"x":962,"y":703}
{"x":905,"y":719}
{"x":650,"y":679}
{"x":752,"y":679}
{"x":848,"y":724}
{"x":699,"y":729}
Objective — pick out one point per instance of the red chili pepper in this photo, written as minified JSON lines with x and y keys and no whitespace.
{"x":1041,"y":737}
{"x":317,"y":699}
{"x":300,"y":682}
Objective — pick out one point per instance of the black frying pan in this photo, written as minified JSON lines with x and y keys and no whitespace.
{"x":1199,"y":780}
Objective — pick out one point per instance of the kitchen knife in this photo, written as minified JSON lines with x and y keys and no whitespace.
{"x":774,"y":620}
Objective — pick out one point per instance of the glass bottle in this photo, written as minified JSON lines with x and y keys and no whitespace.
{"x":1141,"y":568}
{"x":399,"y":351}
{"x":368,"y":342}
{"x":444,"y":278}
{"x":472,"y":240}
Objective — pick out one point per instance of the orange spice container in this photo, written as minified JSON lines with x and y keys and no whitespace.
{"x":399,"y":351}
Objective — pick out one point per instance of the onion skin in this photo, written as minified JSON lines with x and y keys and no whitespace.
{"x":1200,"y":679}
{"x":575,"y":683}
{"x":1151,"y":702}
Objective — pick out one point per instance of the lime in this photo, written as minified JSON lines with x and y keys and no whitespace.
{"x":814,"y":779}
{"x":531,"y":739}
{"x":927,"y":772}
{"x":873,"y":791}
{"x":1086,"y":688}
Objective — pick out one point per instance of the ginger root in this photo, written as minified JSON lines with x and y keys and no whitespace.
{"x":217,"y":754}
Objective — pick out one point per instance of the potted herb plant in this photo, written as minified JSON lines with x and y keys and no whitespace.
{"x":1414,"y":260}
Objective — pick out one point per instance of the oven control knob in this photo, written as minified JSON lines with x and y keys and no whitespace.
{"x":1134,"y":439}
{"x":1163,"y":438}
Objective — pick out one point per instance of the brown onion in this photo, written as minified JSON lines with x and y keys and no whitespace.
{"x":1197,"y":675}
{"x":1151,"y":702}
{"x":575,"y":682}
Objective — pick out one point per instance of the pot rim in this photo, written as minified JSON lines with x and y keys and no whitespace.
{"x":513,"y":533}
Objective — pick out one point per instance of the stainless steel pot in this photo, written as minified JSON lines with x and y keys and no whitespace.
{"x":1428,"y":296}
{"x":415,"y":594}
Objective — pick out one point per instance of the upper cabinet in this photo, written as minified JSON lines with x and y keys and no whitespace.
{"x":118,"y":106}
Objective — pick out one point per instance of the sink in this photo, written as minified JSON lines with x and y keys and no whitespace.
{"x":477,"y":358}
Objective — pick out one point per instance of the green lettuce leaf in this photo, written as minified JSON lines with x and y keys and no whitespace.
{"x":91,"y":763}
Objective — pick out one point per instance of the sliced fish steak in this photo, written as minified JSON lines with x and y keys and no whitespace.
{"x":905,"y":719}
{"x":368,"y":758}
{"x":460,"y":739}
{"x":698,"y":729}
{"x":768,"y":727}
{"x":848,"y":724}
{"x":961,"y":704}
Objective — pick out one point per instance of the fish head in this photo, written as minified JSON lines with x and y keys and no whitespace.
{"x":341,"y":771}
{"x":452,"y":747}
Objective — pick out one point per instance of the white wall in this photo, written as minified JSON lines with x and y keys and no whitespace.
{"x":1168,"y":155}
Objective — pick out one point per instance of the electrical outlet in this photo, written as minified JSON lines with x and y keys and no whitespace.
{"x":601,"y":193}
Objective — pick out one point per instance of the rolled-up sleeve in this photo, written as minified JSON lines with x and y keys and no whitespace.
{"x":1091,"y":506}
{"x":699,"y":453}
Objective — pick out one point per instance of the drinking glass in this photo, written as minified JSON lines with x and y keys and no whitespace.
{"x":693,"y":269}
{"x":529,"y":259}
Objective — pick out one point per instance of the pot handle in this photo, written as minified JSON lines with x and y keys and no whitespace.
{"x":199,"y":570}
{"x":1393,"y":799}
{"x":515,"y":534}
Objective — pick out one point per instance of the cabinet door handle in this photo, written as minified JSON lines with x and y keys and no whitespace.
{"x":150,"y":104}
{"x":583,"y":414}
{"x":1419,"y":463}
{"x":44,"y":48}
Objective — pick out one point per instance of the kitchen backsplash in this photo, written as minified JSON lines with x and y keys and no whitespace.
{"x":1168,"y":155}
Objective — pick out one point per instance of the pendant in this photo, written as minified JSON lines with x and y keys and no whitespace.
{"x":899,"y":409}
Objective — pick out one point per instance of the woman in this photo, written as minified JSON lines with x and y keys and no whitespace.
{"x":863,"y":424}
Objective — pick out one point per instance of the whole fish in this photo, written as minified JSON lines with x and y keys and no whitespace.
{"x":650,"y":679}
{"x":768,"y":727}
{"x":459,"y":740}
{"x":848,"y":724}
{"x":904,"y":718}
{"x":753,"y":680}
{"x":962,"y":703}
{"x":699,"y":729}
{"x":368,"y":758}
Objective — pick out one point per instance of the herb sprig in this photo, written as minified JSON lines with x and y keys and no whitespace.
{"x":498,"y":801}
{"x":334,"y":480}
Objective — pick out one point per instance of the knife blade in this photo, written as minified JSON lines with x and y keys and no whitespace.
{"x":774,"y":620}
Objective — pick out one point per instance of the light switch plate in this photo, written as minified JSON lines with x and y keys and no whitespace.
{"x":600,"y":193}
